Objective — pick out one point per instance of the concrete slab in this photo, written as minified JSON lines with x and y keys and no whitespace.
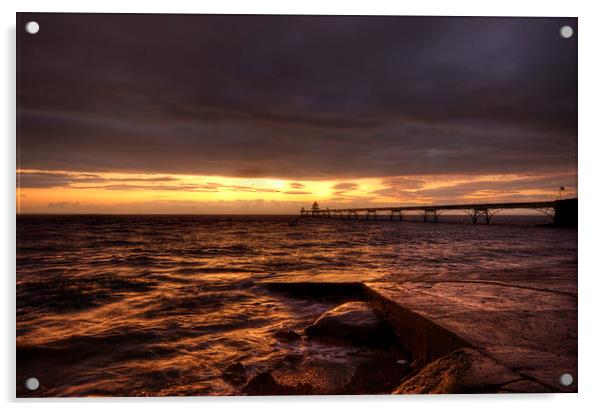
{"x":342,"y":289}
{"x":335,"y":276}
{"x":466,"y":371}
{"x":529,"y":329}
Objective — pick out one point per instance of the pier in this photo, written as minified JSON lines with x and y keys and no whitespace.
{"x":562,"y":212}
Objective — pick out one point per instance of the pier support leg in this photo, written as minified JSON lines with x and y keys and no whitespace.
{"x":473,"y":214}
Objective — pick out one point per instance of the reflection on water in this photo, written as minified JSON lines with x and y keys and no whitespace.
{"x":160,"y":305}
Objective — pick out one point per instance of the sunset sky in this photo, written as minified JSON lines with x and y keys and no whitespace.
{"x":265,"y":114}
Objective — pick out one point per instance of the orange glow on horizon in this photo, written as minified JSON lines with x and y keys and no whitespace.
{"x":42,"y":191}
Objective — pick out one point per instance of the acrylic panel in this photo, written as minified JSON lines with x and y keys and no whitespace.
{"x":295,"y":205}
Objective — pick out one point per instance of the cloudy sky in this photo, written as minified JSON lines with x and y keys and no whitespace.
{"x":265,"y":114}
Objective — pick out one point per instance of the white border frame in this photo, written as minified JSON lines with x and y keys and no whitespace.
{"x":590,"y":170}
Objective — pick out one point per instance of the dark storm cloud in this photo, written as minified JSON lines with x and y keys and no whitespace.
{"x":296,"y":96}
{"x":48,"y":179}
{"x":45,"y":179}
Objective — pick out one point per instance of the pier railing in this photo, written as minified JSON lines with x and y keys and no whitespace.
{"x":562,"y":212}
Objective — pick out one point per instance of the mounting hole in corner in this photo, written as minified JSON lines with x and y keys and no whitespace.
{"x":566,"y":379}
{"x":32,"y":27}
{"x":32,"y":384}
{"x":566,"y":32}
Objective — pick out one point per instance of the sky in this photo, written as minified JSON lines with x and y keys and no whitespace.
{"x":266,"y":114}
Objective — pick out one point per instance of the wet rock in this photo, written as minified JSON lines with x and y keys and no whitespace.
{"x":364,"y":371}
{"x":379,"y":374}
{"x":326,"y":377}
{"x":265,"y":384}
{"x":287,"y":336}
{"x":292,"y":359}
{"x":262,"y":384}
{"x":354,"y":322}
{"x":235,"y":373}
{"x":465,"y":370}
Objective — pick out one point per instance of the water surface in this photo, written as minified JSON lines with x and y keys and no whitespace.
{"x":160,"y":305}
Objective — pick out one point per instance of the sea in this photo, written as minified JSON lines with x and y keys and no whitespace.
{"x":126,"y":305}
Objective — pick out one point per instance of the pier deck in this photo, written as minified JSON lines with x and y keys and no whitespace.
{"x":562,"y":212}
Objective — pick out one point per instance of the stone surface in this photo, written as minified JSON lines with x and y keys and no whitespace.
{"x":466,"y":370}
{"x":369,"y":371}
{"x":354,"y":322}
{"x":528,"y":328}
{"x":265,"y":384}
{"x":524,"y":320}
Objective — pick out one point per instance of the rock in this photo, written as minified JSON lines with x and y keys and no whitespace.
{"x":465,"y":370}
{"x":380,"y":373}
{"x":265,"y":384}
{"x":327,"y":377}
{"x":292,"y":359}
{"x":364,"y":371}
{"x":262,"y":384}
{"x":235,"y":373}
{"x":354,"y":322}
{"x":287,"y":336}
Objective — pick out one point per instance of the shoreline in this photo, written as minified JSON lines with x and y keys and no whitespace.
{"x":502,"y":345}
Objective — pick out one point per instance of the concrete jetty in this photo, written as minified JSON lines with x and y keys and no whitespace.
{"x":517,"y":335}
